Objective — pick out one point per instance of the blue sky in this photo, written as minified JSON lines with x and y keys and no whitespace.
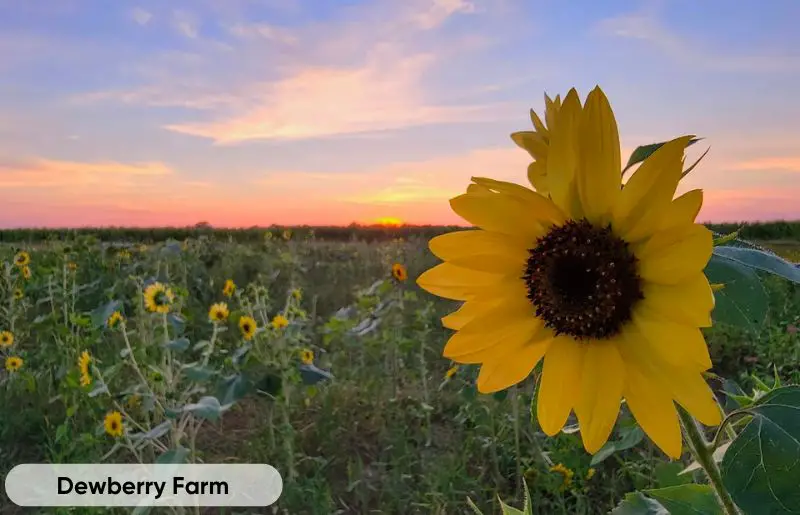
{"x":244,"y":112}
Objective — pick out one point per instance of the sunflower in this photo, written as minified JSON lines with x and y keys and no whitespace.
{"x":22,"y":258}
{"x":18,"y":293}
{"x":113,"y":424}
{"x":26,"y":272}
{"x":399,"y":272}
{"x":451,"y":372}
{"x":590,"y":473}
{"x":124,"y":255}
{"x":297,"y":294}
{"x":307,"y":356}
{"x":287,"y":234}
{"x":13,"y":363}
{"x":72,"y":266}
{"x":247,"y":325}
{"x":158,"y":298}
{"x":604,"y":284}
{"x":229,"y":288}
{"x":537,"y":142}
{"x":115,"y":318}
{"x":566,"y":475}
{"x":83,"y":365}
{"x":6,"y":339}
{"x":279,"y":322}
{"x":218,"y":312}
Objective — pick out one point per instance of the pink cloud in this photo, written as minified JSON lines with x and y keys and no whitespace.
{"x":787,"y":163}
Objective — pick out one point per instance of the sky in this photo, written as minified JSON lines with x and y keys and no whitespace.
{"x":291,"y":112}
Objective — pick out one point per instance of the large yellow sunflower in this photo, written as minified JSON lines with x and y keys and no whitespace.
{"x":605,"y":283}
{"x":84,"y":361}
{"x":537,"y":142}
{"x":218,"y":312}
{"x":248,"y":326}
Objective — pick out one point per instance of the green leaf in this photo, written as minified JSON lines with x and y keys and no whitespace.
{"x":687,"y":499}
{"x":99,"y":389}
{"x":629,"y":437}
{"x":762,"y":466}
{"x":668,"y":473}
{"x":198,"y":373}
{"x":174,"y":456}
{"x":208,"y":408}
{"x":642,"y":152}
{"x":744,"y":301}
{"x":233,"y":388}
{"x":312,"y":375}
{"x":158,"y":431}
{"x":500,"y":396}
{"x":178,"y":345}
{"x":760,"y":260}
{"x":635,"y":503}
{"x":474,"y":507}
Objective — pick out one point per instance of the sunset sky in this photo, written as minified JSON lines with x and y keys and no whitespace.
{"x":254,"y":112}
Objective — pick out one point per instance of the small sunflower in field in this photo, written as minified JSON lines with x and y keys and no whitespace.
{"x":297,"y":294}
{"x":566,"y":475}
{"x":399,"y":272}
{"x":113,"y":424}
{"x":134,"y":401}
{"x":26,"y":272}
{"x":451,"y":372}
{"x":13,"y":363}
{"x":6,"y":339}
{"x":603,"y":283}
{"x":248,"y":326}
{"x":286,"y":234}
{"x":218,"y":312}
{"x":268,"y":236}
{"x":307,"y":356}
{"x":229,"y":288}
{"x":115,"y":319}
{"x":158,"y":298}
{"x":279,"y":322}
{"x":22,"y":259}
{"x":72,"y":266}
{"x":18,"y":293}
{"x":537,"y":143}
{"x":83,"y":365}
{"x":124,"y":255}
{"x":590,"y":473}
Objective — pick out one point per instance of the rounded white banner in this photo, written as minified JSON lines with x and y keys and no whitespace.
{"x":39,"y":485}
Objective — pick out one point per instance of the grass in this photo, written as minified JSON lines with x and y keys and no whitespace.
{"x":390,"y":433}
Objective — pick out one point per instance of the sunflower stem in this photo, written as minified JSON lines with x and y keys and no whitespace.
{"x":703,"y":453}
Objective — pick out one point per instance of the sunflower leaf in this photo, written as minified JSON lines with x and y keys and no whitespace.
{"x":688,"y":499}
{"x":761,"y":467}
{"x":642,"y":152}
{"x":635,"y":503}
{"x":744,"y":301}
{"x":760,"y":260}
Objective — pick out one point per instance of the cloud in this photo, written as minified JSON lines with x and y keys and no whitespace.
{"x":186,"y":23}
{"x":365,"y":69}
{"x":140,"y":16}
{"x":44,"y":173}
{"x":646,"y":26}
{"x":787,"y":164}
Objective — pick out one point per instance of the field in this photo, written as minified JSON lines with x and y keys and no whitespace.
{"x":342,"y":388}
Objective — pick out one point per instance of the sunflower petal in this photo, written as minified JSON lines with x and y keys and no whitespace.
{"x":457,"y":283}
{"x":468,"y":311}
{"x":538,"y":125}
{"x":602,"y":380}
{"x":654,"y":410}
{"x":689,"y":302}
{"x":559,"y":389}
{"x":647,"y":195}
{"x":543,"y":207}
{"x":677,"y":344}
{"x":499,"y":213}
{"x":480,"y":250}
{"x":675,"y":256}
{"x":532,"y":142}
{"x":693,"y":393}
{"x":510,"y":368}
{"x":562,"y":158}
{"x":599,"y":166}
{"x":683,"y":210}
{"x":537,"y":176}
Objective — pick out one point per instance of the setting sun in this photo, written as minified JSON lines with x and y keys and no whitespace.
{"x":388,"y":220}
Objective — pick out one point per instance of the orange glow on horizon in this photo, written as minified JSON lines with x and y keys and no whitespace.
{"x":389,"y":220}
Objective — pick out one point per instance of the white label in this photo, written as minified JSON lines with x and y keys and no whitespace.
{"x":143,"y":485}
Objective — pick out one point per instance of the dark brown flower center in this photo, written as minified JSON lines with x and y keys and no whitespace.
{"x":583,"y":281}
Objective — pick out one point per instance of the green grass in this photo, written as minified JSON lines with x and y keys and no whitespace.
{"x":389,"y":434}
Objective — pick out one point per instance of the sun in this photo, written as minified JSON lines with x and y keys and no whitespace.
{"x":389,"y":220}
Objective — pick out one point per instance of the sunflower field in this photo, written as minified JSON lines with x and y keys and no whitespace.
{"x":586,"y":348}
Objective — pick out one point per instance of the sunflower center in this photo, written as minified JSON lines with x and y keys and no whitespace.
{"x":583,"y":281}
